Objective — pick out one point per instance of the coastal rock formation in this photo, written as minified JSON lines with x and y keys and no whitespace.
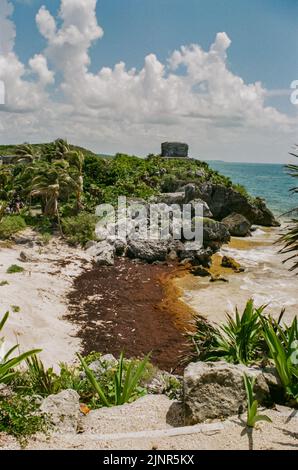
{"x":206,"y":210}
{"x":215,"y":234}
{"x":223,"y":201}
{"x":237,"y":224}
{"x":147,"y":250}
{"x":63,"y":410}
{"x":216,"y":390}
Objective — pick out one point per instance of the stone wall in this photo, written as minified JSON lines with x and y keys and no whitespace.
{"x":174,"y":149}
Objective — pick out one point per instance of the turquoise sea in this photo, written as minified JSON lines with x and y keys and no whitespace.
{"x":269,"y":181}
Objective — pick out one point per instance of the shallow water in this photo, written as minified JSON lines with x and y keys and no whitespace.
{"x":266,"y":279}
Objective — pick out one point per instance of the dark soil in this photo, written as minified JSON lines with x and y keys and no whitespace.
{"x":126,"y":307}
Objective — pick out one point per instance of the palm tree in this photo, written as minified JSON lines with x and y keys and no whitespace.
{"x":290,"y":239}
{"x":47,"y":181}
{"x":26,"y":153}
{"x":75,"y":158}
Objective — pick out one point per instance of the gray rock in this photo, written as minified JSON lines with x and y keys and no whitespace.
{"x":170,"y":198}
{"x":215,"y":234}
{"x":214,"y":390}
{"x":103,"y":253}
{"x":19,"y":239}
{"x":237,"y":224}
{"x":190,"y":192}
{"x":100,"y":366}
{"x":224,"y":200}
{"x":90,"y":244}
{"x":6,"y":391}
{"x":206,"y":211}
{"x":120,"y":247}
{"x":63,"y":410}
{"x":147,"y":250}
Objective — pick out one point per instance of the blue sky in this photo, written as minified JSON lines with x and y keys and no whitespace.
{"x":264,"y":45}
{"x":263,"y":33}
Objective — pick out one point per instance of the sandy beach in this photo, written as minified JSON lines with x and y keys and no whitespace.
{"x":36,"y":297}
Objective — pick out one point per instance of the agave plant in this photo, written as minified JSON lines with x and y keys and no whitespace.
{"x":240,"y":339}
{"x":8,"y":362}
{"x":290,"y":238}
{"x":252,"y":405}
{"x":125,"y":381}
{"x":281,"y":343}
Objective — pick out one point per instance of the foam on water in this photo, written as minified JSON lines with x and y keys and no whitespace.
{"x":266,"y":279}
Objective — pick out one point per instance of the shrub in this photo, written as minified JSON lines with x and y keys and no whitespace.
{"x":11,"y":224}
{"x":79,"y":229}
{"x":125,"y":382}
{"x":20,"y":417}
{"x":240,"y":340}
{"x":14,"y":268}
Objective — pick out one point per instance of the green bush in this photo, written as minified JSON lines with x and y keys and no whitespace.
{"x":11,"y":224}
{"x":14,"y":269}
{"x":239,"y":340}
{"x":20,"y":417}
{"x":79,"y":229}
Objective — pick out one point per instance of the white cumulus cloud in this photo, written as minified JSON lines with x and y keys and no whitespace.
{"x":194,"y":96}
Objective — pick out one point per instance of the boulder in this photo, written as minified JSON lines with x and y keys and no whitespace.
{"x":194,"y":253}
{"x":206,"y":211}
{"x":63,"y":410}
{"x":190,"y":192}
{"x":215,"y":390}
{"x":224,"y":200}
{"x":147,"y":250}
{"x":228,"y":262}
{"x":214,"y":233}
{"x":169,"y":198}
{"x":237,"y":224}
{"x":102,"y":252}
{"x":100,"y":366}
{"x":200,"y":272}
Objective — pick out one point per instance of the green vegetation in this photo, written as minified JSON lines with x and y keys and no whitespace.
{"x":15,"y":308}
{"x":252,"y":405}
{"x":290,"y":238}
{"x":10,"y":225}
{"x":283,"y":348}
{"x":253,"y":338}
{"x":14,"y":269}
{"x":57,"y":186}
{"x":79,"y":229}
{"x":239,"y":340}
{"x":125,"y":386}
{"x":4,"y":283}
{"x":9,"y":361}
{"x":20,"y":417}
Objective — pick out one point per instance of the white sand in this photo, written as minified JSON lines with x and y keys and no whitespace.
{"x":40,"y":293}
{"x":147,"y":424}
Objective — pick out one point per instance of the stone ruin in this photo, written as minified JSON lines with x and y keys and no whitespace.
{"x":174,"y":150}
